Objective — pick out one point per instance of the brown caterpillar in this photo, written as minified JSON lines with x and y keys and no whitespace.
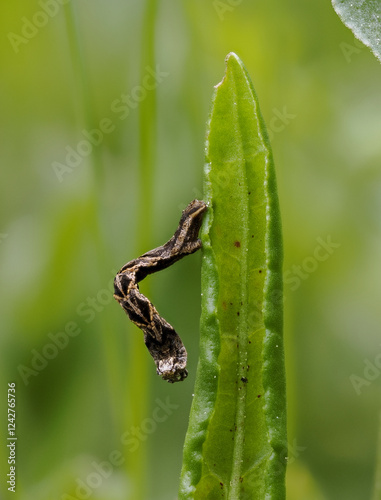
{"x":162,"y":341}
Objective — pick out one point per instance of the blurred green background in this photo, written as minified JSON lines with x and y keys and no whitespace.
{"x":93,"y":418}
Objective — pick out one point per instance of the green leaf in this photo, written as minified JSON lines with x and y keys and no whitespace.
{"x":236,"y":441}
{"x":363,"y":17}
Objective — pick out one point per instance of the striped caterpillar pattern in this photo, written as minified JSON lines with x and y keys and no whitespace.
{"x":162,"y":341}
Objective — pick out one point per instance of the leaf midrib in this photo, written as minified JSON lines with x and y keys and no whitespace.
{"x":239,"y":438}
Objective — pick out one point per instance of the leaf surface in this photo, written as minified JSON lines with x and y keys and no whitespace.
{"x":363,"y":17}
{"x":236,"y":442}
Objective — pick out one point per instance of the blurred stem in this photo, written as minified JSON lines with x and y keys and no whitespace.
{"x":87,"y":117}
{"x":147,"y":129}
{"x":138,"y":366}
{"x":137,"y":397}
{"x":82,"y":81}
{"x":377,"y":478}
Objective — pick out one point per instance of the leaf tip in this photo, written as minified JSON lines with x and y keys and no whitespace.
{"x":231,"y":60}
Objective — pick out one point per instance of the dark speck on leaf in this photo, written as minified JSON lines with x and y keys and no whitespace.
{"x":244,"y":380}
{"x":237,"y":244}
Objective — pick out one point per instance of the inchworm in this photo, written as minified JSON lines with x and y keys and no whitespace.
{"x":162,"y":341}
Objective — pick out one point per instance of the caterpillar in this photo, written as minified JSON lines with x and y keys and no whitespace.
{"x":161,"y":339}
